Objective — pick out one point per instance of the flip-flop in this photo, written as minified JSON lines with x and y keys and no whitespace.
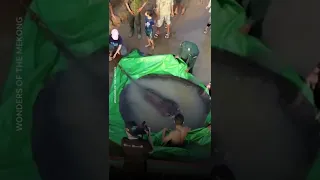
{"x":167,"y":36}
{"x":156,"y":35}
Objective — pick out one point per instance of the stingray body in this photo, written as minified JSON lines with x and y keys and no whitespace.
{"x":166,"y":97}
{"x":165,"y":107}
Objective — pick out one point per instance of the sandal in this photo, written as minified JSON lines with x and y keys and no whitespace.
{"x":167,"y":36}
{"x":156,"y":35}
{"x":205,"y":31}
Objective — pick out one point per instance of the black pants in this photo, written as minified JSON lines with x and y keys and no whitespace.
{"x":135,"y":20}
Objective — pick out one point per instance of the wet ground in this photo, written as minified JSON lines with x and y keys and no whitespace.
{"x":187,"y":27}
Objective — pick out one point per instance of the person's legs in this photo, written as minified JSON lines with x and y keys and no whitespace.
{"x":177,"y":4}
{"x":184,"y":4}
{"x":123,"y":51}
{"x":137,"y":21}
{"x":208,"y":25}
{"x":168,"y":22}
{"x":131,"y":20}
{"x":111,"y":50}
{"x":159,"y":24}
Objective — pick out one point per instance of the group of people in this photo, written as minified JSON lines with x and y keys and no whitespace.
{"x":158,"y":16}
{"x":137,"y":148}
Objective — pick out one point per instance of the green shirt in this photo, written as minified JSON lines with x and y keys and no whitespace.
{"x":189,"y":51}
{"x":135,"y":4}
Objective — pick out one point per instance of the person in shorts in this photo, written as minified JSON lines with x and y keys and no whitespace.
{"x":149,"y":23}
{"x":164,"y":9}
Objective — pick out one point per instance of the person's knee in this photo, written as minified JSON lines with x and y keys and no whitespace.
{"x":160,"y":22}
{"x":168,"y":20}
{"x":123,"y":51}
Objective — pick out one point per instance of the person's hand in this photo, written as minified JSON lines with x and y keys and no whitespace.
{"x":132,"y":13}
{"x":209,"y":86}
{"x":245,"y":29}
{"x":187,"y":70}
{"x":176,"y":56}
{"x":312,"y":80}
{"x":140,"y":9}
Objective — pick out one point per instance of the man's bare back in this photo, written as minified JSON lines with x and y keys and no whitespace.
{"x":177,"y":136}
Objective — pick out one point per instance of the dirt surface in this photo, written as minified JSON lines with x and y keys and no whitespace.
{"x":187,"y":27}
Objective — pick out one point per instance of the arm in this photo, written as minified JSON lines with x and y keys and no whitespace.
{"x":128,"y":7}
{"x":190,"y":61}
{"x":150,"y":142}
{"x":165,"y":139}
{"x":111,"y":9}
{"x":117,"y":51}
{"x":143,"y":5}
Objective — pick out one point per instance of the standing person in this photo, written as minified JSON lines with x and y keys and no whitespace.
{"x":180,"y":4}
{"x":135,"y":7}
{"x":256,"y":11}
{"x":176,"y":137}
{"x":115,"y":45}
{"x":209,"y":21}
{"x":136,"y":149}
{"x":149,"y":23}
{"x":164,"y":9}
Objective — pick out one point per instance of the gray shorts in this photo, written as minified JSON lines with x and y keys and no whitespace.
{"x":162,"y":19}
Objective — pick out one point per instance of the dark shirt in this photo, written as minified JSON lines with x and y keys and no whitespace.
{"x":148,"y":24}
{"x":115,"y":43}
{"x":136,"y":153}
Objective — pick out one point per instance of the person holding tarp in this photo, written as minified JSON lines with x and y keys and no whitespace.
{"x":256,"y":11}
{"x":135,"y":148}
{"x":188,"y":52}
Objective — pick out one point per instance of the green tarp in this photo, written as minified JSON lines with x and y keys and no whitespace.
{"x":83,"y":27}
{"x":227,"y":17}
{"x":138,"y":66}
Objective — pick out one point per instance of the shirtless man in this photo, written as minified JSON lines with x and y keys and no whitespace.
{"x":176,"y":137}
